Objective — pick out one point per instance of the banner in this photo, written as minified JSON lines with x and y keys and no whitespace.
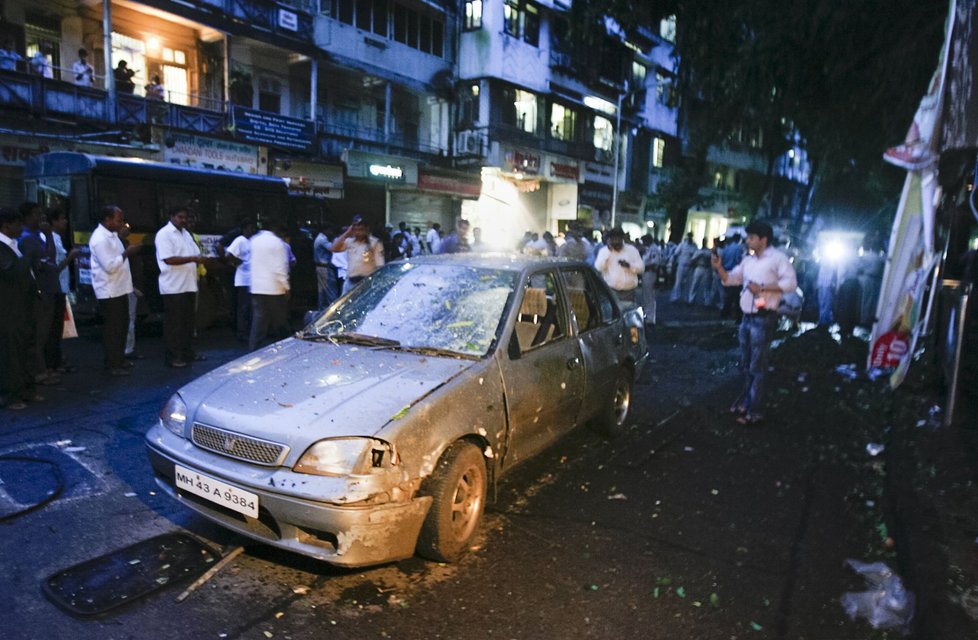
{"x":911,"y":257}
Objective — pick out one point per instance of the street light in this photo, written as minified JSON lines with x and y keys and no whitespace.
{"x":617,"y":145}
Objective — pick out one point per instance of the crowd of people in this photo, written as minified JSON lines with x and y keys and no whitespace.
{"x":34,"y":278}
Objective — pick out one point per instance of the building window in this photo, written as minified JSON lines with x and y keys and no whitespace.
{"x":639,"y":72}
{"x":520,"y":109}
{"x":468,"y":106}
{"x":531,"y":25}
{"x":473,"y":15}
{"x":658,"y":152}
{"x":395,"y":21}
{"x":269,"y":95}
{"x":604,"y":134}
{"x":522,"y":20}
{"x":563,"y":123}
{"x":667,"y":29}
{"x":664,"y":93}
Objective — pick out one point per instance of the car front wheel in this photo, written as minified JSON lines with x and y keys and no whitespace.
{"x":458,"y":491}
{"x":614,"y":412}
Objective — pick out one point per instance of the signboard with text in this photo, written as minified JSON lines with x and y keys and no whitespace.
{"x":263,"y":127}
{"x":210,"y":153}
{"x":311,"y":179}
{"x":381,"y":168}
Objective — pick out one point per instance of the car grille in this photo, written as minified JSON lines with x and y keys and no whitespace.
{"x":238,"y":446}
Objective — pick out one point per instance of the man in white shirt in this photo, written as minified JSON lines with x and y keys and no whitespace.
{"x":620,"y":263}
{"x":177,"y":256}
{"x":766,"y":274}
{"x":433,"y":238}
{"x":112,"y":283}
{"x":683,"y":256}
{"x":40,"y":63}
{"x":82,"y":72}
{"x":238,"y":254}
{"x":269,"y":286}
{"x":364,"y":253}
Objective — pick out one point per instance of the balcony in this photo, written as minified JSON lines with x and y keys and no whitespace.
{"x":339,"y":136}
{"x":42,"y":97}
{"x":64,"y":101}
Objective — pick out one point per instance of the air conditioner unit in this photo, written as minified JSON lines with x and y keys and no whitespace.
{"x":467,"y":143}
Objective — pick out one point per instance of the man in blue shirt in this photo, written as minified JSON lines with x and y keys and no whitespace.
{"x":730,"y":257}
{"x":322,"y":256}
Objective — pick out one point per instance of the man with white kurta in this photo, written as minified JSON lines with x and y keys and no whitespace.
{"x":269,"y":286}
{"x":178,"y":256}
{"x":112,"y":283}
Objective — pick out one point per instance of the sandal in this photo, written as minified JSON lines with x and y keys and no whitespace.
{"x":749,"y":419}
{"x":737,"y":410}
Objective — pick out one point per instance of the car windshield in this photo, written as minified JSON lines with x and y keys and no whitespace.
{"x":438,"y":308}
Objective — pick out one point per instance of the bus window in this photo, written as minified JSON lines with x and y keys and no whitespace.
{"x":229,"y":208}
{"x":178,"y":196}
{"x":136,"y":198}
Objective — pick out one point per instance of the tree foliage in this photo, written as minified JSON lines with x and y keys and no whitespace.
{"x":846,"y":75}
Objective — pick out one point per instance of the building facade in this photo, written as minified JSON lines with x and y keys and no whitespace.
{"x":418,"y":111}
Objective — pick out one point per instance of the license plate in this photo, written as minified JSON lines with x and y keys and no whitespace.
{"x":216,"y":491}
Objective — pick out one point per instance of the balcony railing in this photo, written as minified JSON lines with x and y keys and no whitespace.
{"x":43,"y":97}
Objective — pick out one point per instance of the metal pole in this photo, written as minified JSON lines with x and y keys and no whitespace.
{"x":962,"y":322}
{"x":314,"y":90}
{"x":107,"y":50}
{"x":617,"y":147}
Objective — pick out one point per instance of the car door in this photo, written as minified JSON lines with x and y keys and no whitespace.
{"x":600,"y":334}
{"x":542,"y":372}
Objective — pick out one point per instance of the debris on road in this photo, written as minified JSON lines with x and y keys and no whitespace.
{"x":886,"y":604}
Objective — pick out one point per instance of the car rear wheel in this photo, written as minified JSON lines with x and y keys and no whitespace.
{"x":615,"y":410}
{"x":458,"y":491}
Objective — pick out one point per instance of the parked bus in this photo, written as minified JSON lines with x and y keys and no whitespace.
{"x":83,"y":184}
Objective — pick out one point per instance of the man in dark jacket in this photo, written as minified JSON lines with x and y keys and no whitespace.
{"x":17,"y":290}
{"x":39,"y":252}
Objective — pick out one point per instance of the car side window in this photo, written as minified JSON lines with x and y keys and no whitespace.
{"x":607,"y":306}
{"x":591,"y":304}
{"x":541,"y":320}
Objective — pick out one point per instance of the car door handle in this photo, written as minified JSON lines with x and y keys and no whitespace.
{"x":573,"y":363}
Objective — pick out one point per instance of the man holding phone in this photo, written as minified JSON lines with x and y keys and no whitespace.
{"x":620,"y":263}
{"x":764,"y":276}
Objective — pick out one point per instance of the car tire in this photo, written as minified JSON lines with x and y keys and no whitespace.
{"x":611,"y":420}
{"x":458,"y":491}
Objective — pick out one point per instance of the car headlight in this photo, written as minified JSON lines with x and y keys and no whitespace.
{"x":173,"y":415}
{"x":343,"y":456}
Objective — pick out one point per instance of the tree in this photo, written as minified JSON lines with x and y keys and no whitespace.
{"x":847,"y":76}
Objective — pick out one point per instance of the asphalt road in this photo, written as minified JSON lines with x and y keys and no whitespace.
{"x":685,"y":527}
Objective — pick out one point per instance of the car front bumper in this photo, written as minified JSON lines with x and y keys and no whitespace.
{"x":342,"y":535}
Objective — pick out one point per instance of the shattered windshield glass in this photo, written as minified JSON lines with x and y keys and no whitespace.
{"x":434,"y":307}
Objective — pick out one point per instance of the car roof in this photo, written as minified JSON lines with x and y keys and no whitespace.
{"x":505,"y":261}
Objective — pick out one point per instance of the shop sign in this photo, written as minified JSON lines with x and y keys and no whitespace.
{"x":523,"y":162}
{"x":374,"y":166}
{"x":600,"y":173}
{"x":210,"y":153}
{"x":457,"y":184}
{"x":560,"y":170}
{"x":288,"y":20}
{"x":263,"y":127}
{"x":595,"y":195}
{"x":311,"y":179}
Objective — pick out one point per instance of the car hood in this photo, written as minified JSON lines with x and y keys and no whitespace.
{"x":297,"y":392}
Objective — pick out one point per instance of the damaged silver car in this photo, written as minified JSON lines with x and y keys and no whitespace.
{"x":373,"y":433}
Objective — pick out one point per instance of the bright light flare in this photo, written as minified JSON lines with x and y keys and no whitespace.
{"x":834,"y":251}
